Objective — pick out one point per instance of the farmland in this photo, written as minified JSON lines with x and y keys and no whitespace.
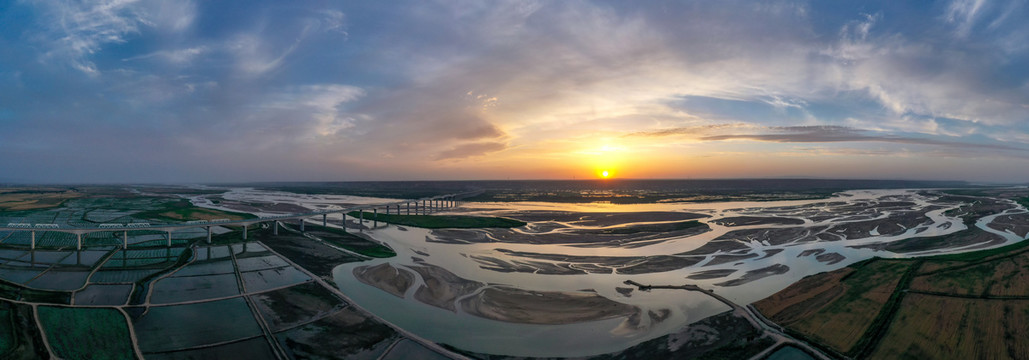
{"x":228,"y":298}
{"x":838,"y":308}
{"x":970,"y":305}
{"x":84,"y":333}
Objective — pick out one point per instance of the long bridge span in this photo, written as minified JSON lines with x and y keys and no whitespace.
{"x":420,"y":206}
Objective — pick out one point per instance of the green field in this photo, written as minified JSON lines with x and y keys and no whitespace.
{"x":81,"y":333}
{"x":182,"y":210}
{"x":442,"y":221}
{"x":12,"y":291}
{"x":931,"y":307}
{"x":839,"y":310}
{"x":7,"y":342}
{"x":343,"y":239}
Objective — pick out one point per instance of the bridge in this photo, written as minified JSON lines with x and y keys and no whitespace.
{"x":421,"y":206}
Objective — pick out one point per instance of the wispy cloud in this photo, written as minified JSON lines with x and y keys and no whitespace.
{"x":470,"y":150}
{"x":177,"y":56}
{"x":829,"y":134}
{"x":76,"y":30}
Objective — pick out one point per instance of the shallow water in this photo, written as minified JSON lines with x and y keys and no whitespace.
{"x":477,"y":334}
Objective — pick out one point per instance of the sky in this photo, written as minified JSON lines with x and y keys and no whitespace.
{"x":227,"y":91}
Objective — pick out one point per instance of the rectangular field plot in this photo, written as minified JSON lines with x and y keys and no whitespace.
{"x":346,"y":334}
{"x":55,"y":239}
{"x":289,"y":307}
{"x":406,"y":349}
{"x":207,"y":268}
{"x":163,"y":242}
{"x":81,"y":333}
{"x":84,"y":258}
{"x":139,"y":258}
{"x":19,"y":275}
{"x":7,"y":339}
{"x":44,"y":257}
{"x":272,"y":278}
{"x":163,"y":253}
{"x":105,"y":215}
{"x":179,"y":327}
{"x":11,"y":254}
{"x":260,"y":262}
{"x":939,"y":327}
{"x":255,"y":349}
{"x":179,"y":289}
{"x":101,"y":239}
{"x":59,"y":280}
{"x":118,"y":263}
{"x":141,"y":239}
{"x":121,"y":276}
{"x":212,"y":253}
{"x":836,"y":313}
{"x":97,"y":294}
{"x":22,"y":238}
{"x":249,"y":248}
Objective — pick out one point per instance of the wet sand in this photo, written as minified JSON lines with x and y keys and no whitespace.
{"x":442,"y":288}
{"x":602,"y":219}
{"x":547,"y":308}
{"x":385,"y":277}
{"x":758,"y":274}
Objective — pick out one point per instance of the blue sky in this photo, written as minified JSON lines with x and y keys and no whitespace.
{"x":184,"y":91}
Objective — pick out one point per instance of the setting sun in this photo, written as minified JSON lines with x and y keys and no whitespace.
{"x":605,"y":174}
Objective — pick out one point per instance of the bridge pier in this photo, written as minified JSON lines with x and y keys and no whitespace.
{"x":78,"y":242}
{"x":208,"y":234}
{"x":344,"y":222}
{"x":302,"y":225}
{"x":325,"y":220}
{"x":33,"y":244}
{"x":409,"y":208}
{"x":375,"y":218}
{"x":244,"y":233}
{"x":125,"y":239}
{"x":169,"y":238}
{"x":360,"y":219}
{"x":275,"y":227}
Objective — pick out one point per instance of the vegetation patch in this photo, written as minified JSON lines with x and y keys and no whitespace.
{"x":12,"y":291}
{"x":970,"y":305}
{"x":442,"y":221}
{"x":86,"y":333}
{"x":19,"y":199}
{"x":981,"y":254}
{"x":182,"y":210}
{"x":837,"y":308}
{"x":942,"y":327}
{"x":7,"y":342}
{"x":343,"y":239}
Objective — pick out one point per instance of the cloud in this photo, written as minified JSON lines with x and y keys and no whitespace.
{"x":177,"y":56}
{"x":76,"y":30}
{"x":963,"y":14}
{"x":688,"y":130}
{"x":415,"y":86}
{"x":256,"y":57}
{"x":470,"y":150}
{"x":830,"y":134}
